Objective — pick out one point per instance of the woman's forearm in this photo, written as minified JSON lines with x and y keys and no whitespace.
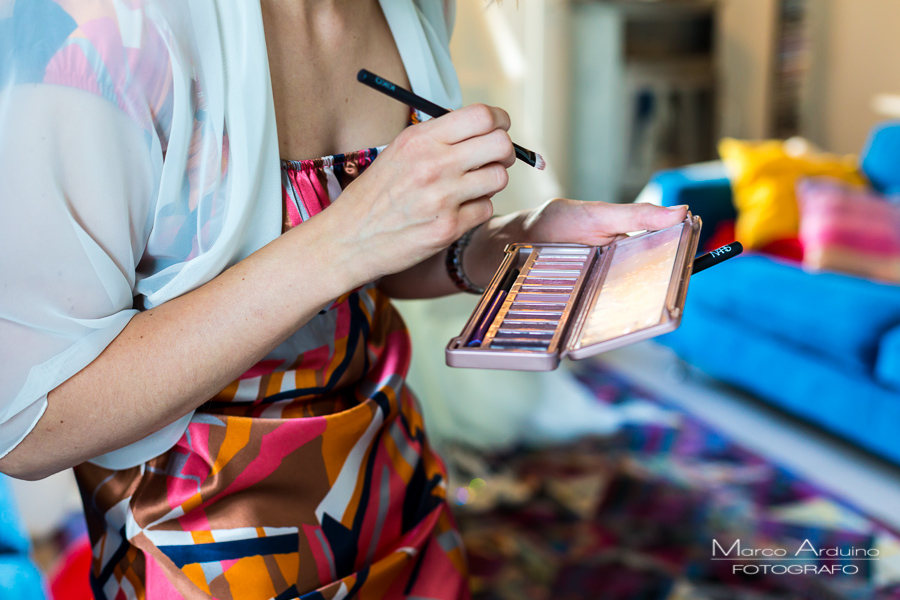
{"x":169,"y":360}
{"x":429,"y":279}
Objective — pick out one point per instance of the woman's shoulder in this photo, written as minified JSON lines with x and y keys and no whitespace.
{"x":110,"y":48}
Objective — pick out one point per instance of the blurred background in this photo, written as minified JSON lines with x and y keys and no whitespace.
{"x":773,"y":414}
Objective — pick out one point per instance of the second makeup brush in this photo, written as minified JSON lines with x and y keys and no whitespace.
{"x":433,"y":110}
{"x":711,"y":259}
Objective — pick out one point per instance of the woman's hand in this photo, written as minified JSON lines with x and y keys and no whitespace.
{"x":556,"y":221}
{"x":428,"y":187}
{"x":595,"y":223}
{"x":562,"y":221}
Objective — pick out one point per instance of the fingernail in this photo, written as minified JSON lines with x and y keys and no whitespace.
{"x":679,"y":207}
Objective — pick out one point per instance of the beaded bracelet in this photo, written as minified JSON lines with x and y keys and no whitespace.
{"x":454,"y":264}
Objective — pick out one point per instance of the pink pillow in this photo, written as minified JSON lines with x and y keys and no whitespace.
{"x":848,"y":229}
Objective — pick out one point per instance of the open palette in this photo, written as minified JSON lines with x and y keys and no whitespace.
{"x":548,"y":301}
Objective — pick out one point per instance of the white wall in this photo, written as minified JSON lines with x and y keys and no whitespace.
{"x":512,"y":55}
{"x":46,"y":504}
{"x":856,"y":55}
{"x":859,"y":57}
{"x":744,"y":46}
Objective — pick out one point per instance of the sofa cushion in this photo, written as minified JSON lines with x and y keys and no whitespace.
{"x":852,"y":405}
{"x":849,"y":230}
{"x":837,"y":316}
{"x":764,"y":177}
{"x":20,"y":579}
{"x":881,"y":158}
{"x":887,"y":367}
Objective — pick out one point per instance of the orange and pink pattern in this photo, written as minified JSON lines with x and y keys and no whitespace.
{"x":309,"y":477}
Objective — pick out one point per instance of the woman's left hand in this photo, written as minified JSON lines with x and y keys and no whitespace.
{"x":594,"y":223}
{"x":562,"y":221}
{"x":557,"y":221}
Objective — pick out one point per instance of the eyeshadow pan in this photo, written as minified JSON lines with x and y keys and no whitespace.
{"x":551,"y":294}
{"x":505,"y":326}
{"x":531,"y":320}
{"x":545,"y":314}
{"x":543,"y":306}
{"x":560,"y":260}
{"x":557,"y":269}
{"x":529,"y":349}
{"x":570,"y":281}
{"x":563,"y":251}
{"x":535,"y":286}
{"x":522,"y":334}
{"x":521,"y":342}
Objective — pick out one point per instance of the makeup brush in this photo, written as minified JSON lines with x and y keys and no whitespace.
{"x":433,"y":110}
{"x":711,"y":259}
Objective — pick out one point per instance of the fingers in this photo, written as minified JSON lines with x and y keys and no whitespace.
{"x":486,"y":181}
{"x":495,"y":147}
{"x":468,"y":122}
{"x":474,"y":212}
{"x":625,"y":218}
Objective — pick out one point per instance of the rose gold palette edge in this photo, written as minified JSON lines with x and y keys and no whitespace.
{"x":550,"y":301}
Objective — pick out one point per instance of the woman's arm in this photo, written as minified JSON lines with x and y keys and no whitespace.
{"x":556,"y":221}
{"x":169,"y":360}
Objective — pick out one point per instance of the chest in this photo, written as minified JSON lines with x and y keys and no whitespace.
{"x":320,"y":109}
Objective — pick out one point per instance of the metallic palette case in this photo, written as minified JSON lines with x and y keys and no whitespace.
{"x":575,"y":301}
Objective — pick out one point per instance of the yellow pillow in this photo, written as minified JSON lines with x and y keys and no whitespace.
{"x":764,"y":178}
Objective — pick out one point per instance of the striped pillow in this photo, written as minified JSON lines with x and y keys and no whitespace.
{"x":849,"y":230}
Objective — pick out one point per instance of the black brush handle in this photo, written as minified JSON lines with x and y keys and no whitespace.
{"x":711,"y":259}
{"x":525,"y":155}
{"x":397,"y":92}
{"x":389,"y":88}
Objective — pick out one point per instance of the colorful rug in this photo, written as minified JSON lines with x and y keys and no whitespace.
{"x":666,"y":509}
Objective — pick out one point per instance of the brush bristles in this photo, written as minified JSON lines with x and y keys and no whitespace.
{"x":539,"y":162}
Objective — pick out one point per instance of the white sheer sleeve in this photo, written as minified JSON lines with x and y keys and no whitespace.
{"x":91,"y":96}
{"x":77,"y":183}
{"x":137,"y":158}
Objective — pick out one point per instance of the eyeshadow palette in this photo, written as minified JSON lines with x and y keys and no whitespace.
{"x":548,"y":301}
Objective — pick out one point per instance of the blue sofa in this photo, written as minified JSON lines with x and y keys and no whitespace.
{"x":822,"y":346}
{"x":20,"y":579}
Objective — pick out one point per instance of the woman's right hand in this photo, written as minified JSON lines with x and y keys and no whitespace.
{"x":426,"y":189}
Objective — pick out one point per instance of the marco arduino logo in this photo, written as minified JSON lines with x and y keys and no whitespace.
{"x":806,"y":559}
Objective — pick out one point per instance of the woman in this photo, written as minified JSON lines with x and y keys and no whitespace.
{"x":218,"y":358}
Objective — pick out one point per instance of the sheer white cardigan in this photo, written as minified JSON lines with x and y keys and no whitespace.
{"x":114,"y":190}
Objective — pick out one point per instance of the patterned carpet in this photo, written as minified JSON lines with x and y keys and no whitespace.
{"x":634,"y":517}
